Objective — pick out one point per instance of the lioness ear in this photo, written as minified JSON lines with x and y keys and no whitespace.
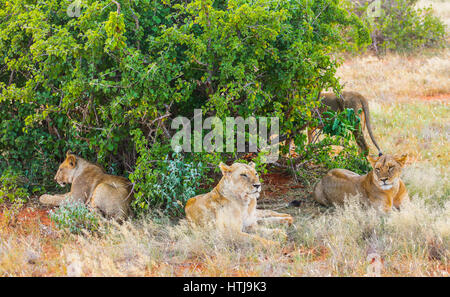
{"x":402,"y":159}
{"x":252,"y":164}
{"x":372,"y":160}
{"x":224,"y":168}
{"x":69,"y":152}
{"x":72,"y":160}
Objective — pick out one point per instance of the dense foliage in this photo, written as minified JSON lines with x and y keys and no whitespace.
{"x":107,"y":83}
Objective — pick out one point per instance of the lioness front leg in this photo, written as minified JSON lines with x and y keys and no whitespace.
{"x":271,"y":232}
{"x":258,"y":238}
{"x":236,"y":227}
{"x":54,"y":200}
{"x":266,"y":215}
{"x":401,"y":197}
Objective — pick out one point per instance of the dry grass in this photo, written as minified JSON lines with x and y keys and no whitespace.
{"x":419,"y":128}
{"x":398,"y":76}
{"x":403,"y":240}
{"x":411,"y":242}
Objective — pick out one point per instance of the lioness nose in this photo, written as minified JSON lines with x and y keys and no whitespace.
{"x":383,"y":179}
{"x":257,"y":185}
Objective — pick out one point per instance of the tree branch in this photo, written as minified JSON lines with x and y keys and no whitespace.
{"x":118,"y":6}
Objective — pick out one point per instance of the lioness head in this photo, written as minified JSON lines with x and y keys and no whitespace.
{"x":387,"y":170}
{"x":240,"y":180}
{"x":66,"y":170}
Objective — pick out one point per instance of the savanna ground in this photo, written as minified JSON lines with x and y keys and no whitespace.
{"x":409,"y":101}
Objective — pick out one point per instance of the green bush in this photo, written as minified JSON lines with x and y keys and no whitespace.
{"x":74,"y":217}
{"x":83,"y":83}
{"x":402,"y":27}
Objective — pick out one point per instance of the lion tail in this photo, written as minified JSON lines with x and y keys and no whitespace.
{"x":365,"y":107}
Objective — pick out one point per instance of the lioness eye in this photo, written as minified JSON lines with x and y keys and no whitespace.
{"x":377,"y":169}
{"x":244,"y":175}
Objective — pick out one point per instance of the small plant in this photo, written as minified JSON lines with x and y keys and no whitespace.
{"x":341,"y":124}
{"x":176,"y":182}
{"x":74,"y":217}
{"x":163,"y":182}
{"x":338,"y":130}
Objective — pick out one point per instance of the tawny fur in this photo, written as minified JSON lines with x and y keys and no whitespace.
{"x":109,"y":194}
{"x":231,"y":205}
{"x":355,"y":101}
{"x":381,"y":187}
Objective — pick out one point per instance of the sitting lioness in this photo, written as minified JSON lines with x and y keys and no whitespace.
{"x":231,"y":205}
{"x":380,"y":187}
{"x":109,"y":194}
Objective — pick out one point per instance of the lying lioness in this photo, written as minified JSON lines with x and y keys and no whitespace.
{"x":380,"y":187}
{"x":231,"y":205}
{"x":109,"y":194}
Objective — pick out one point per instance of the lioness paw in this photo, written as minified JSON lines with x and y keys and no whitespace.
{"x":44,"y":198}
{"x":279,"y":232}
{"x":271,"y":243}
{"x":289,"y":220}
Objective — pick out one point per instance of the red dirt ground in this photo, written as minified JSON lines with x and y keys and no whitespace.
{"x":439,"y":97}
{"x":28,"y":217}
{"x":277,"y":184}
{"x":30,"y":221}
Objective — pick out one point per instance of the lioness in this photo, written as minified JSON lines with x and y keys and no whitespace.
{"x":109,"y":194}
{"x":355,"y":101}
{"x":231,"y":205}
{"x":380,"y":187}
